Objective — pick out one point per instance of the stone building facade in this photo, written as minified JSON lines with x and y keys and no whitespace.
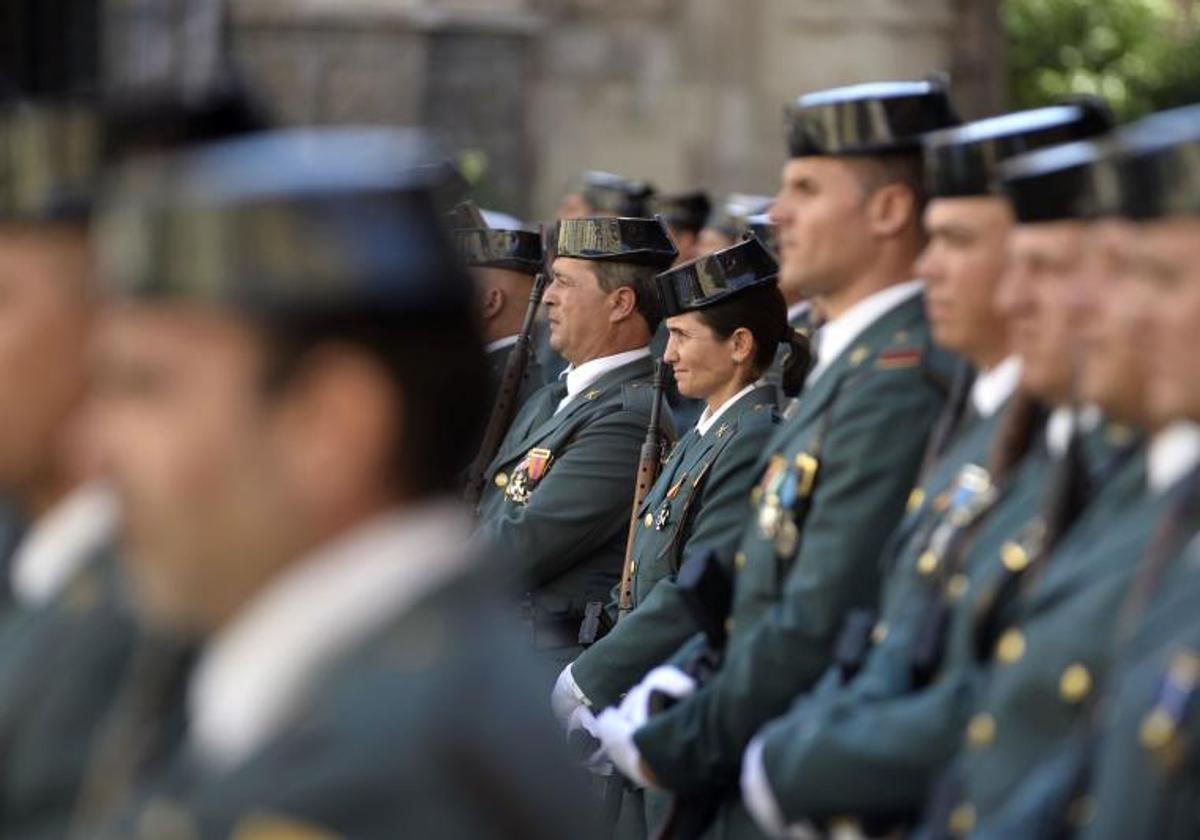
{"x":681,"y":92}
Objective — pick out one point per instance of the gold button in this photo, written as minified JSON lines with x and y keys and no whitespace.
{"x":1075,"y":683}
{"x":739,"y":560}
{"x":728,"y":626}
{"x":756,"y":495}
{"x":879,"y":632}
{"x":633,"y":567}
{"x":648,"y":520}
{"x":1014,"y":557}
{"x":981,"y":731}
{"x":927,"y":563}
{"x":956,"y":587}
{"x":501,"y":480}
{"x":1157,"y":730}
{"x":915,"y":499}
{"x":962,"y":819}
{"x":1011,"y":646}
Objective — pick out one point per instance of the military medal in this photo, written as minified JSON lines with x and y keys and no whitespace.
{"x":531,"y":470}
{"x":664,"y":512}
{"x":768,"y":510}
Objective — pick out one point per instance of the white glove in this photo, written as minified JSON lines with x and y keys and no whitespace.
{"x":615,"y":732}
{"x":665,"y":679}
{"x":567,"y":696}
{"x":597,"y":762}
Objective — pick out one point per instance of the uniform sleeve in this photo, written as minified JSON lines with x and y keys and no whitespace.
{"x":582,"y":502}
{"x":654,"y":631}
{"x":870,"y":458}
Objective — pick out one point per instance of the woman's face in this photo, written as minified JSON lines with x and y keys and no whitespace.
{"x":704,"y":363}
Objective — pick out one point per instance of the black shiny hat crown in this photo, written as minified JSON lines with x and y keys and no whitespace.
{"x":876,"y":118}
{"x":50,"y":161}
{"x":617,"y":195}
{"x":683,"y":210}
{"x":1073,"y":181}
{"x":617,"y":239}
{"x":731,"y":217}
{"x":515,"y":250}
{"x":1159,"y":163}
{"x":964,"y":161}
{"x":287,"y":221}
{"x":716,"y":277}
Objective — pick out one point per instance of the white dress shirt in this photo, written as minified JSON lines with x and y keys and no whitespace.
{"x":579,"y":379}
{"x":992,"y":388}
{"x":835,"y":337}
{"x":258,"y":669}
{"x":60,"y":543}
{"x":709,"y":417}
{"x":501,"y":343}
{"x":797,"y":309}
{"x":1173,"y":453}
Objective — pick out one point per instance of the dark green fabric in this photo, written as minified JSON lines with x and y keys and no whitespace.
{"x":568,"y":540}
{"x":432,"y":729}
{"x":711,"y":475}
{"x":873,"y":749}
{"x":865,"y":419}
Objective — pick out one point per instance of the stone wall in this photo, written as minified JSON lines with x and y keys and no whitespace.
{"x":682,"y":92}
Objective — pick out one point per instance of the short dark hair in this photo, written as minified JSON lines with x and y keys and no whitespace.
{"x":903,"y":168}
{"x":435,"y":361}
{"x":613,"y":275}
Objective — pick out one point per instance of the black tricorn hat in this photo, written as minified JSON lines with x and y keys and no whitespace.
{"x":683,"y":210}
{"x":1158,"y":158}
{"x":731,"y":217}
{"x":606,"y":192}
{"x":298,"y":221}
{"x":515,"y":250}
{"x":868,"y":119}
{"x":617,"y":239}
{"x":1072,"y":181}
{"x":964,"y":161}
{"x":711,"y":279}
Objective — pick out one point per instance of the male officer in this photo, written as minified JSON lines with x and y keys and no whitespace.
{"x":685,"y":214}
{"x":838,"y":471}
{"x":280,"y":425}
{"x":557,"y":499}
{"x":964,"y":509}
{"x":1144,"y":774}
{"x":503,"y":264}
{"x":607,"y":194}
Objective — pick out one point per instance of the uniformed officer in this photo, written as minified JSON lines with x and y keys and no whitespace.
{"x":559,"y":490}
{"x":799,"y":768}
{"x":607,"y":194}
{"x":1144,"y":771}
{"x":833,"y":482}
{"x":275,"y":404}
{"x":503,"y":264}
{"x":727,"y":223}
{"x":685,"y":214}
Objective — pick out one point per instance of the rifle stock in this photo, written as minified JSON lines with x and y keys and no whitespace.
{"x":647,"y":474}
{"x":505,"y":406}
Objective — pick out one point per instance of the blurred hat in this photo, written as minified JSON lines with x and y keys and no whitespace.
{"x":682,"y":210}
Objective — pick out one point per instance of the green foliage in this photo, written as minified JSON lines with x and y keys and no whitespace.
{"x":1140,"y":55}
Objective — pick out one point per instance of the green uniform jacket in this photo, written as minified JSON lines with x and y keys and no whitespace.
{"x":563,"y":517}
{"x":393,"y":746}
{"x":834,"y":487}
{"x":698,"y":500}
{"x":873,"y":749}
{"x":1058,"y":642}
{"x":56,"y":692}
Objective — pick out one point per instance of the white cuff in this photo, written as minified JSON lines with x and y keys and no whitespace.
{"x":760,"y":800}
{"x":567,"y":696}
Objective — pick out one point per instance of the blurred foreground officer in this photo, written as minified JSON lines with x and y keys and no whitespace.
{"x":558,"y":493}
{"x":833,"y":482}
{"x":1146,"y":780}
{"x":287,"y":454}
{"x":833,"y":755}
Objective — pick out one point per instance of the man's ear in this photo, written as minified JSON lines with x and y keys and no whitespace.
{"x":624,"y":304}
{"x":891,"y":209}
{"x":494,"y":301}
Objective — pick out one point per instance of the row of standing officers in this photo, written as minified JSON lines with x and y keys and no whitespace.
{"x":918,"y":556}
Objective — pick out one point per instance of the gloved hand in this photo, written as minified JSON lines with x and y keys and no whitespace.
{"x":616,"y":734}
{"x":666,"y":682}
{"x":584,"y":737}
